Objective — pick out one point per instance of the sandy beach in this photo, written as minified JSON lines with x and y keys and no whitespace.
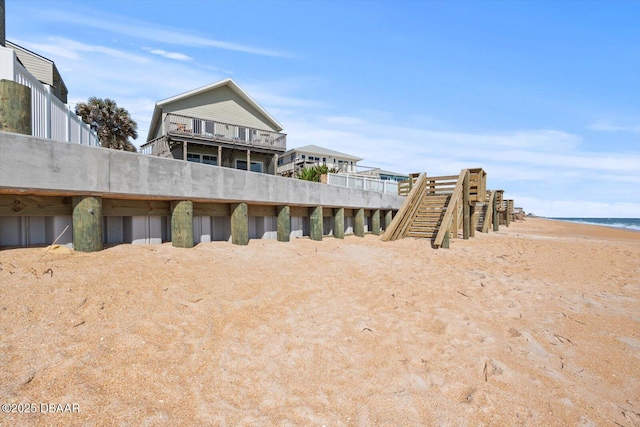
{"x":538,"y":324}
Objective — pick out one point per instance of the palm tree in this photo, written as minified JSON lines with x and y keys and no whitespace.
{"x":113,"y":124}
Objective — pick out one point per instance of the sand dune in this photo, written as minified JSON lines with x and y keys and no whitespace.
{"x":538,"y":324}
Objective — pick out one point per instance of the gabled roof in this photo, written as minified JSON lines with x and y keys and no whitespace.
{"x":321,"y":151}
{"x":157,"y":111}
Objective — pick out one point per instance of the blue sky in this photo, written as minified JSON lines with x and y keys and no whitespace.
{"x":544,"y":95}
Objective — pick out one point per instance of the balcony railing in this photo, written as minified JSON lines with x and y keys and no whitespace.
{"x":202,"y":129}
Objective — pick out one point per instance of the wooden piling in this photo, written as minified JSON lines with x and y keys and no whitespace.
{"x":466,"y":218}
{"x":375,"y":222}
{"x":182,"y":223}
{"x":315,"y":229}
{"x":87,"y":223}
{"x":239,"y":224}
{"x":338,"y":223}
{"x":15,"y":107}
{"x":496,"y":219}
{"x":358,"y":227}
{"x":284,"y":223}
{"x":388,"y":217}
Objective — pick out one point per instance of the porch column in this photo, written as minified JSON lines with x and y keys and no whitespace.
{"x":239,"y":224}
{"x":248,"y":160}
{"x":338,"y":223}
{"x":315,"y":229}
{"x":358,"y":226}
{"x":87,"y":223}
{"x":284,"y":223}
{"x":375,"y":222}
{"x":184,"y":150}
{"x":182,"y":224}
{"x":15,"y":107}
{"x":275,"y":164}
{"x":219,"y":155}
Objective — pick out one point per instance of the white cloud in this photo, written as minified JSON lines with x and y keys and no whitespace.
{"x":70,"y":49}
{"x":170,"y":55}
{"x":608,"y":126}
{"x":143,"y":30}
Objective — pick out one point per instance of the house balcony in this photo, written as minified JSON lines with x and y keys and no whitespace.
{"x":202,"y":131}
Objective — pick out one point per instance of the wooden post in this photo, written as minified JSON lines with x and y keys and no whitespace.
{"x":275,"y":164}
{"x":496,"y":220}
{"x":473,"y":218}
{"x":445,"y":241}
{"x":240,"y":224}
{"x":184,"y":150}
{"x":248,"y":160}
{"x":375,"y":222}
{"x":358,"y":227}
{"x":315,"y":232}
{"x":182,"y":224}
{"x":466,"y":219}
{"x":284,"y":223}
{"x":454,"y":222}
{"x":388,"y":217}
{"x":219,"y":162}
{"x":507,"y":215}
{"x":87,"y":223}
{"x":15,"y":107}
{"x":338,"y":223}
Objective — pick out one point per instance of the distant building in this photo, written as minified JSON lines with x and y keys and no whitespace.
{"x":392,"y":176}
{"x":218,"y":124}
{"x":312,"y":155}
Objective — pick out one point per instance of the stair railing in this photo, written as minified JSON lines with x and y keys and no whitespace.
{"x":444,"y":232}
{"x":400,"y":223}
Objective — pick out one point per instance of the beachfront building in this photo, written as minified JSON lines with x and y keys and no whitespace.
{"x":385,"y":175}
{"x":218,"y":124}
{"x":43,"y":69}
{"x":312,"y":155}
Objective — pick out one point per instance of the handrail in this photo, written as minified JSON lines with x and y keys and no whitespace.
{"x":406,"y":211}
{"x":488,"y":216}
{"x":445,"y":224}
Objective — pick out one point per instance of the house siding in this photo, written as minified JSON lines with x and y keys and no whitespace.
{"x":40,"y":68}
{"x":221,"y":105}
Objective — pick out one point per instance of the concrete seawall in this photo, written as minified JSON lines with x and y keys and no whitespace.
{"x":38,"y":176}
{"x":39,"y":166}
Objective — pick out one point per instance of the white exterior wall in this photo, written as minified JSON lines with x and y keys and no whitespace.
{"x":34,"y":230}
{"x":141,"y":230}
{"x":201,"y":229}
{"x":221,"y":228}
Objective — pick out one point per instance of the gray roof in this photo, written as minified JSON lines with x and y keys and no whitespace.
{"x":314,"y":149}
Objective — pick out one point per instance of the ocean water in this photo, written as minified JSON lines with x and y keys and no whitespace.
{"x":626,"y":223}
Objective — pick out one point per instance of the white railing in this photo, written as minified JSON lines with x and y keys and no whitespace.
{"x":50,"y":117}
{"x":362,"y":183}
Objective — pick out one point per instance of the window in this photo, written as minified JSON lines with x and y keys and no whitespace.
{"x":209,"y":128}
{"x":202,"y":158}
{"x":324,"y":160}
{"x":303,"y":157}
{"x":242,"y":134}
{"x":280,"y":161}
{"x":255,"y":166}
{"x":293,"y":157}
{"x":210,"y":160}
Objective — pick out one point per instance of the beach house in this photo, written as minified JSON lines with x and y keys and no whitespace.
{"x":218,"y":124}
{"x":312,"y":155}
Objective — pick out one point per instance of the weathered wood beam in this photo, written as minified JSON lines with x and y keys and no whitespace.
{"x":182,"y":224}
{"x":239,"y":224}
{"x":338,"y":223}
{"x":17,"y":205}
{"x":315,"y":229}
{"x":87,"y":223}
{"x":262,"y":210}
{"x":496,"y":217}
{"x":358,"y":226}
{"x":127,"y":207}
{"x":284,"y":223}
{"x":388,"y":217}
{"x":211,"y":209}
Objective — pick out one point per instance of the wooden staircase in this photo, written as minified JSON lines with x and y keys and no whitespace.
{"x":433,"y":210}
{"x":428,"y":217}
